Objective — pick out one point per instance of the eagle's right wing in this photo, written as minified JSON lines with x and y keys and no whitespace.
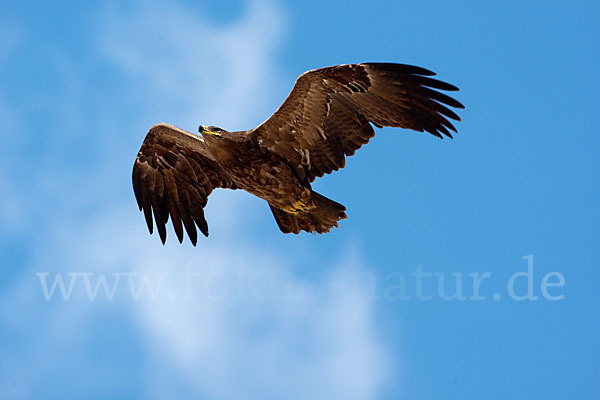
{"x":174,"y":173}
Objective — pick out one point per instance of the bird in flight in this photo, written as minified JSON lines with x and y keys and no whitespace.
{"x":329,"y":114}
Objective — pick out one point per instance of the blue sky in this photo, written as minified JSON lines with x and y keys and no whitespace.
{"x":274,"y":316}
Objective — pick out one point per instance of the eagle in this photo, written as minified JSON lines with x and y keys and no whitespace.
{"x":329,"y":114}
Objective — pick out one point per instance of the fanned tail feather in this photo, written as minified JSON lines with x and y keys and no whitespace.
{"x":320,"y":220}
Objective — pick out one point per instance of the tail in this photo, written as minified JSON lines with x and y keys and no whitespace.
{"x":320,"y":220}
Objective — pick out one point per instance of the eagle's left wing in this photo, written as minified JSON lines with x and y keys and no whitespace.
{"x":328,"y":114}
{"x":174,"y":173}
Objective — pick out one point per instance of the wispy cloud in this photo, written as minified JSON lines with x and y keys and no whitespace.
{"x":204,"y":71}
{"x":179,"y":66}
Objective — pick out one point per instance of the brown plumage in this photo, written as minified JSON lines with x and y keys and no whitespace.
{"x":326,"y":117}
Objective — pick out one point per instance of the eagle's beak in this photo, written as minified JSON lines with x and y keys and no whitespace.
{"x":204,"y":129}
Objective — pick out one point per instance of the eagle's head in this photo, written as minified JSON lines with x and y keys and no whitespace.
{"x":210,"y":131}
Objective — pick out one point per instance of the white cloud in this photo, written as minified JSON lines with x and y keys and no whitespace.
{"x":287,"y":342}
{"x":252,"y":329}
{"x":203,"y":71}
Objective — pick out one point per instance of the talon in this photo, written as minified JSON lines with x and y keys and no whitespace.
{"x":295,"y":207}
{"x":299,"y":205}
{"x":290,"y":209}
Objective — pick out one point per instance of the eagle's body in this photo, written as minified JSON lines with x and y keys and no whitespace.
{"x":257,"y":170}
{"x":326,"y":117}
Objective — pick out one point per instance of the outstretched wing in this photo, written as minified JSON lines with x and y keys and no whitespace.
{"x":173,"y":175}
{"x":329,"y":112}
